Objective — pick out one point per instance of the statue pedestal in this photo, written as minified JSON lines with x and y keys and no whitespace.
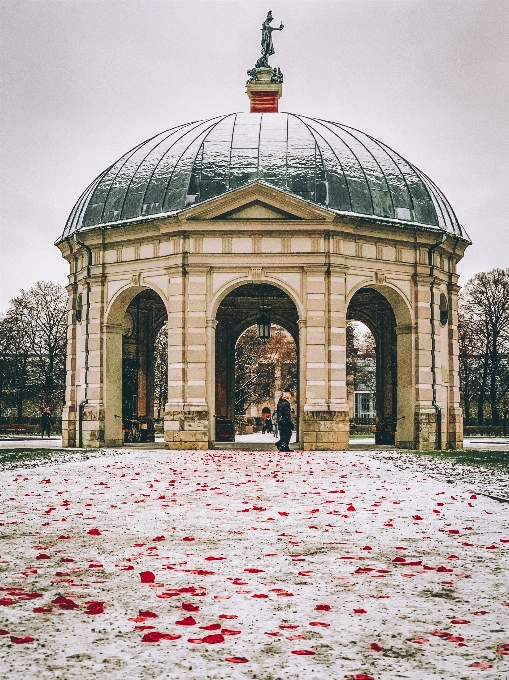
{"x":264,"y":95}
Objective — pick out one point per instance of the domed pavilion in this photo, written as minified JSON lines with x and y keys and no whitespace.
{"x":209,"y":225}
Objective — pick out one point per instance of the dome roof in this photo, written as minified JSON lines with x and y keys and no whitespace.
{"x":332,"y":165}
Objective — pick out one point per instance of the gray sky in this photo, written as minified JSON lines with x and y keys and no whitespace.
{"x":83,"y":81}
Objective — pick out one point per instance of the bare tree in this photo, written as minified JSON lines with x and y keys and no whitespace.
{"x":33,"y":342}
{"x":161,"y":369}
{"x":484,"y":341}
{"x":263,"y":370}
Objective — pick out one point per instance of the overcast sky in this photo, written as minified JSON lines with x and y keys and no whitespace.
{"x":83,"y":81}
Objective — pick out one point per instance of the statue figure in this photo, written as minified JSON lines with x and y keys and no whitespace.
{"x":277,"y":76}
{"x":267,"y":44}
{"x":253,"y":76}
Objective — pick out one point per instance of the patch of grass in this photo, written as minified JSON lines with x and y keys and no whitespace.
{"x":12,"y":457}
{"x":498,"y":460}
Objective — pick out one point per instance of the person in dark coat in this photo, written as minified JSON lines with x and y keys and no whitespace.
{"x":46,"y":423}
{"x":284,"y":421}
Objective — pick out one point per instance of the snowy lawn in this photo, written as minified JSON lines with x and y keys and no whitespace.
{"x":159,"y":564}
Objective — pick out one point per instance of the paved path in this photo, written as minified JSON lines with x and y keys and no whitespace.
{"x":257,"y":565}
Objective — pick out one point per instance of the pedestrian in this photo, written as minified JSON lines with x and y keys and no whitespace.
{"x":284,"y":420}
{"x":46,"y":423}
{"x":275,"y":428}
{"x":266,"y":420}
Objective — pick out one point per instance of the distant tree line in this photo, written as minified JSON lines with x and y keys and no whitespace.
{"x":33,"y":335}
{"x":484,"y":348}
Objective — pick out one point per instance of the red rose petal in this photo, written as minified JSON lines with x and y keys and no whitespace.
{"x":4,"y":632}
{"x":322,"y":608}
{"x":318,"y":623}
{"x":64,"y":602}
{"x":42,"y":610}
{"x":237,"y":659}
{"x":187,"y":621}
{"x":147,"y":577}
{"x":419,"y":641}
{"x":21,"y":640}
{"x":459,"y":621}
{"x":188,"y":607}
{"x":360,"y":611}
{"x":188,"y":538}
{"x":95,"y":607}
{"x":213,"y":639}
{"x":259,"y":595}
{"x":227,"y":616}
{"x":303,"y":652}
{"x":481,"y":665}
{"x":147,"y":614}
{"x":93,"y":532}
{"x":211,"y":626}
{"x":376,"y":647}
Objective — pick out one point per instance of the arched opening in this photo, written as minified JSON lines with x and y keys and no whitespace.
{"x":135,"y":366}
{"x":385,"y":315}
{"x":361,"y":378}
{"x":143,"y":330}
{"x":373,"y":310}
{"x":251,"y":369}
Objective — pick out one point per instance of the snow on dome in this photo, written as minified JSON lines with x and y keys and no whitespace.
{"x":332,"y":165}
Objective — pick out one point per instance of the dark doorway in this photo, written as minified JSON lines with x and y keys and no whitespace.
{"x":142,"y":375}
{"x":249,"y":370}
{"x":372,"y":309}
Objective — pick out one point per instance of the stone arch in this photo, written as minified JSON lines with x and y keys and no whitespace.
{"x":229,"y":287}
{"x":113,"y":368}
{"x":233,"y":319}
{"x":395,"y":345}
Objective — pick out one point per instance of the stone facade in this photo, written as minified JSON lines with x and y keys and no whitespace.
{"x":259,"y":235}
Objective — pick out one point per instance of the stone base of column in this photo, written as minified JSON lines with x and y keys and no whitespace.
{"x":92,"y":425}
{"x":425,"y":430}
{"x":455,"y":429}
{"x":186,"y":430}
{"x":68,"y":427}
{"x":325,"y":430}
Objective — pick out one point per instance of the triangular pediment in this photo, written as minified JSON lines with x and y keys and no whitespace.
{"x":254,"y":202}
{"x":257,"y":210}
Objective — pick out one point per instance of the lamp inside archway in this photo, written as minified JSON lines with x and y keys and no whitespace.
{"x":263,"y":326}
{"x":263,"y":321}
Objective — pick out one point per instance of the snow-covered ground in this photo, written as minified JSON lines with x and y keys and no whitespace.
{"x":253,"y":565}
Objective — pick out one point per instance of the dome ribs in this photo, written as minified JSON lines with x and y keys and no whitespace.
{"x":326,"y":163}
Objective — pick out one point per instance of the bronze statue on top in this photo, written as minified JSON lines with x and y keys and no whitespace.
{"x":267,"y":44}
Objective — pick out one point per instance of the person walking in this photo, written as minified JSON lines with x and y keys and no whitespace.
{"x":46,"y":423}
{"x":284,"y":420}
{"x":266,"y":420}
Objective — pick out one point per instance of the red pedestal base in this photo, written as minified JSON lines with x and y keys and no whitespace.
{"x":264,"y":102}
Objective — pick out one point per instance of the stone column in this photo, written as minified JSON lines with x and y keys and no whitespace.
{"x":325,"y":414}
{"x":186,"y":417}
{"x":425,"y":417}
{"x":70,"y":407}
{"x":211,"y":378}
{"x":455,"y":419}
{"x":92,"y":385}
{"x":113,"y":432}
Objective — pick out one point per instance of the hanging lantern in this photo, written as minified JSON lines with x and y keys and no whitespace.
{"x":263,"y":327}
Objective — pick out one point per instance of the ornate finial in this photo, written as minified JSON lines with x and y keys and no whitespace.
{"x":264,"y":86}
